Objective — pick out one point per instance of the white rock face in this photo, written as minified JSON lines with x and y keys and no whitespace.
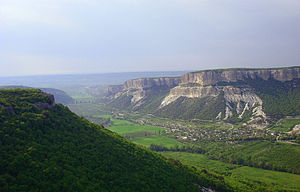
{"x":189,"y":92}
{"x":242,"y":98}
{"x":296,"y":130}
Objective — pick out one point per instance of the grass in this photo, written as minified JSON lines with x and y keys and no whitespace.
{"x":286,"y":124}
{"x":123,"y":129}
{"x":157,"y":139}
{"x":201,"y":161}
{"x":82,"y":97}
{"x":286,"y":180}
{"x":240,"y":177}
{"x":86,"y":109}
{"x":117,"y":122}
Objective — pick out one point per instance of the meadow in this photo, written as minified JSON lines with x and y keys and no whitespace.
{"x":157,"y":139}
{"x":240,"y":177}
{"x":141,"y":134}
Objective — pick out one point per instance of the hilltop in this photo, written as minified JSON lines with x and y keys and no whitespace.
{"x":59,"y":95}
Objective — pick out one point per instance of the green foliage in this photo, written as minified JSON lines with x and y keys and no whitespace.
{"x":261,"y":154}
{"x":240,"y":178}
{"x":194,"y":108}
{"x":122,"y":102}
{"x":149,"y":103}
{"x":285,"y":125}
{"x":124,"y":129}
{"x":21,"y":100}
{"x":279,"y":98}
{"x":55,"y":150}
{"x":157,"y":139}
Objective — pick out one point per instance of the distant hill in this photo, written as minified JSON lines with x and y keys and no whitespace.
{"x":77,"y":80}
{"x":59,"y":95}
{"x":250,"y":96}
{"x":46,"y":147}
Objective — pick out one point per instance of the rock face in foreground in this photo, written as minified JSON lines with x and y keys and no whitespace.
{"x":246,"y":95}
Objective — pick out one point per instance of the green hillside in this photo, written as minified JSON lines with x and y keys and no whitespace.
{"x":59,"y":95}
{"x":279,"y":99}
{"x":46,"y":147}
{"x":150,"y":103}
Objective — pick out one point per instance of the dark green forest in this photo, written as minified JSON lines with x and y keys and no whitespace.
{"x":46,"y":147}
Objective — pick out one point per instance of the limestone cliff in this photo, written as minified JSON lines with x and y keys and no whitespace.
{"x":137,"y":89}
{"x":146,"y":83}
{"x":212,"y":77}
{"x":239,"y":96}
{"x":223,"y":94}
{"x":112,"y":90}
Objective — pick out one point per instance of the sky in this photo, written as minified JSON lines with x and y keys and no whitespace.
{"x":99,"y":36}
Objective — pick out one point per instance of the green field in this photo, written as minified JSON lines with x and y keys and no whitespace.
{"x":82,"y":97}
{"x":86,"y":109}
{"x":124,"y":129}
{"x":241,"y":178}
{"x":285,"y":124}
{"x":141,"y":134}
{"x":156,"y":139}
{"x":116,"y":122}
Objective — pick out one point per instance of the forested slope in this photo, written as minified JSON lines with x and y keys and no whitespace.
{"x":46,"y":147}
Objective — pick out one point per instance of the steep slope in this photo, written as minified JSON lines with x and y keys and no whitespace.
{"x":144,"y":94}
{"x":45,"y":147}
{"x":250,"y":96}
{"x":59,"y":95}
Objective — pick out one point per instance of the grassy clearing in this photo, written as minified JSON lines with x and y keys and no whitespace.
{"x":241,"y":177}
{"x":157,"y":139}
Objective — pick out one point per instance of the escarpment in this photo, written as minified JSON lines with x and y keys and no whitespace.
{"x":245,"y":95}
{"x":135,"y":92}
{"x":147,"y":83}
{"x":212,"y":77}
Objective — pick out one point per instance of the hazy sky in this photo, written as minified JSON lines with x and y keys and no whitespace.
{"x":91,"y":36}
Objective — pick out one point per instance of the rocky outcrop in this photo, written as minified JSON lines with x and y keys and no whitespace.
{"x":146,"y":83}
{"x":48,"y":105}
{"x":10,"y":109}
{"x":190,"y":92}
{"x":139,"y":88}
{"x":212,"y":77}
{"x":231,"y":92}
{"x":238,"y":99}
{"x":112,"y":90}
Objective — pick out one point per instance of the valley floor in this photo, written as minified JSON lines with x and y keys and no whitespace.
{"x":222,"y":158}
